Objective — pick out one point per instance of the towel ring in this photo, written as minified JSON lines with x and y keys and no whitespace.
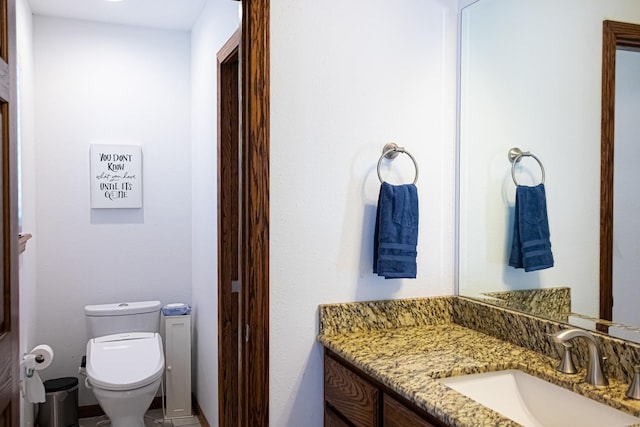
{"x":390,"y":151}
{"x":515,"y":155}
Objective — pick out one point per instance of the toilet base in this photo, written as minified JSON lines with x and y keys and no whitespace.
{"x":126,"y":408}
{"x":127,"y":422}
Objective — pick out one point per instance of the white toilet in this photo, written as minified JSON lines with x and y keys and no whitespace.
{"x":125,"y":360}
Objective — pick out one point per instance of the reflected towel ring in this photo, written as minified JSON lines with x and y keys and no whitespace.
{"x":515,"y":155}
{"x":390,"y":151}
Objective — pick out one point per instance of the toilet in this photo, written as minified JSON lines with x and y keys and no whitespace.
{"x":125,"y":360}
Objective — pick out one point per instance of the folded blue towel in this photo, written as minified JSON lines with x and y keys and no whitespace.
{"x":176,"y":309}
{"x":396,"y":232}
{"x":531,"y":248}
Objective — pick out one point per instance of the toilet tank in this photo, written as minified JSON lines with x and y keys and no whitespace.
{"x":108,"y":319}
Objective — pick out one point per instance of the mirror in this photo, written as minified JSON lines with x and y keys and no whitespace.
{"x":531,"y":77}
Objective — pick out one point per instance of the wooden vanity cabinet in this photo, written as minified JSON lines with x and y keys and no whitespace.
{"x":331,"y":419}
{"x":354,"y":399}
{"x":350,"y":395}
{"x":395,"y":414}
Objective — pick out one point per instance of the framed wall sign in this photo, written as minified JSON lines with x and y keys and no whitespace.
{"x":116,"y":176}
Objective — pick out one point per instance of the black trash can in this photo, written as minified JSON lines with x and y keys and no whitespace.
{"x":61,"y":406}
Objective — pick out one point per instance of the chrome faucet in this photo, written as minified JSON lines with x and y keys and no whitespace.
{"x":595,"y":375}
{"x":633,"y":392}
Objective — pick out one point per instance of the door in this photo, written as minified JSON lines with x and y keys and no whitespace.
{"x":244,"y":392}
{"x":9,"y":338}
{"x":229,"y":302}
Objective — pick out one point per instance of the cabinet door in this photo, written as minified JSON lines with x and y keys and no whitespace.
{"x":353,"y":397}
{"x":178,"y":365}
{"x":395,"y":414}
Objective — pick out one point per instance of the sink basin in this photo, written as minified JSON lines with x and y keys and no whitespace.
{"x":533,"y":402}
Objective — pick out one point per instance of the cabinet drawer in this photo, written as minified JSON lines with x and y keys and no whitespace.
{"x":332,"y":420}
{"x":353,"y":397}
{"x":395,"y":414}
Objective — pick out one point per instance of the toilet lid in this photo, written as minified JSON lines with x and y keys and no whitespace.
{"x":125,"y":361}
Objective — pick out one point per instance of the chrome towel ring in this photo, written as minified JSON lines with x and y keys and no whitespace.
{"x":515,"y":155}
{"x":390,"y":151}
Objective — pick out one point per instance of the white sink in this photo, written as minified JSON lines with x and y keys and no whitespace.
{"x":533,"y":402}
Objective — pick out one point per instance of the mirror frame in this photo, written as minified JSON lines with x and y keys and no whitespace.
{"x":614,"y":35}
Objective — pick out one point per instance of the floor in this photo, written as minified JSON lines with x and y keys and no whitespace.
{"x":153,"y":418}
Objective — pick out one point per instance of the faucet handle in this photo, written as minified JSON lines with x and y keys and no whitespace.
{"x":633,"y":392}
{"x":566,"y":365}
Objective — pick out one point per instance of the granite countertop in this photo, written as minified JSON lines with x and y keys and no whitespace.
{"x":409,"y":360}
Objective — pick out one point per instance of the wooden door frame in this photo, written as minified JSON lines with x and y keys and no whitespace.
{"x":614,"y":35}
{"x":254,"y":212}
{"x":253,"y":233}
{"x":229,"y":345}
{"x":9,"y":332}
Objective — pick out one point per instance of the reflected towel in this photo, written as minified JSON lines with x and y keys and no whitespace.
{"x":396,"y":232}
{"x":531,"y":247}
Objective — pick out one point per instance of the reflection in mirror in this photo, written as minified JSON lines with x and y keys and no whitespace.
{"x":620,"y":203}
{"x":531,"y":75}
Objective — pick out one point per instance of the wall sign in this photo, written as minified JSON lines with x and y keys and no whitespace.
{"x":116,"y":176}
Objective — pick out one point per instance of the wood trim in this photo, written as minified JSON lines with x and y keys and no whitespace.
{"x":228,"y":218}
{"x":89,"y":411}
{"x":197,"y":411}
{"x":231,"y":47}
{"x":10,"y":207}
{"x":606,"y":168}
{"x":614,"y":35}
{"x":254,"y":211}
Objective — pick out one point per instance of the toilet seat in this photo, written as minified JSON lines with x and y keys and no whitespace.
{"x":125,"y":361}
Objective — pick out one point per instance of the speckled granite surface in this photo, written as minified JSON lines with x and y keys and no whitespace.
{"x":555,"y":304}
{"x":531,"y":332}
{"x":552,"y":303}
{"x":371,"y":315}
{"x":409,"y":355}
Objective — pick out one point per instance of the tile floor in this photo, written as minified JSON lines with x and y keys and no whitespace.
{"x":153,"y":419}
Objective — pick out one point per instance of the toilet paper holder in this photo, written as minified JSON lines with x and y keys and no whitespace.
{"x":39,"y":358}
{"x":29,"y":363}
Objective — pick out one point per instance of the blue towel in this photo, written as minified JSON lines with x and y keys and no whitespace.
{"x":176,"y":309}
{"x":396,"y":232}
{"x":531,"y":248}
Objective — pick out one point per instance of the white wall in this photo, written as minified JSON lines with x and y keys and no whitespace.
{"x":27,"y":274}
{"x":100,"y":83}
{"x":539,"y":90}
{"x":346,"y":78}
{"x":218,"y":20}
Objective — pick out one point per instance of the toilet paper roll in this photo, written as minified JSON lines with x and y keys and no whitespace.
{"x":44,"y":356}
